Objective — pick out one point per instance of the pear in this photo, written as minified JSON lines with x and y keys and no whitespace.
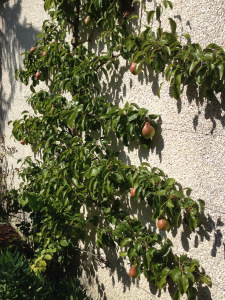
{"x":135,"y":68}
{"x":148,"y":131}
{"x":32,"y":49}
{"x":88,"y":21}
{"x":132,"y":192}
{"x":38,"y":75}
{"x":132,"y":272}
{"x":163,"y":224}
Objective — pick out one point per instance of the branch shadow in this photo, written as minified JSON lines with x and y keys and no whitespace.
{"x":16,"y":37}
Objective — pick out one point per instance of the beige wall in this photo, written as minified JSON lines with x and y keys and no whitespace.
{"x":189,"y":146}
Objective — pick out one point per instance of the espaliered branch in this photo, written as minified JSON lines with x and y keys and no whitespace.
{"x":78,"y":170}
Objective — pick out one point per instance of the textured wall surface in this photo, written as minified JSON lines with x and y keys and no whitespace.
{"x":188,"y":146}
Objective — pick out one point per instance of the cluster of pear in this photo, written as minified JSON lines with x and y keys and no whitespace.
{"x":44,"y":53}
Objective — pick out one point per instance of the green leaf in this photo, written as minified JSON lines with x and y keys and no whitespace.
{"x":119,"y":177}
{"x":161,"y":192}
{"x":192,"y":293}
{"x":163,"y":276}
{"x":176,"y":274}
{"x":206,"y":279}
{"x":125,"y":242}
{"x":176,"y":218}
{"x":190,"y":276}
{"x":176,"y":296}
{"x":170,"y":181}
{"x":168,"y":71}
{"x":132,"y":253}
{"x":183,"y":283}
{"x":59,"y":190}
{"x":150,"y":15}
{"x":123,"y":253}
{"x":192,"y":66}
{"x":187,"y":36}
{"x":178,"y":83}
{"x":94,"y":171}
{"x":153,"y":116}
{"x":159,"y":89}
{"x":170,"y":4}
{"x":165,"y":250}
{"x":173,"y":25}
{"x":139,"y":249}
{"x":169,"y":203}
{"x":33,"y":202}
{"x":149,"y":254}
{"x":202,"y":205}
{"x":192,"y":222}
{"x":47,"y":4}
{"x":132,"y":17}
{"x":221,"y":70}
{"x":132,"y":117}
{"x":48,"y":257}
{"x":167,"y":50}
{"x":177,"y":194}
{"x":64,"y":243}
{"x":159,"y":11}
{"x":194,"y":265}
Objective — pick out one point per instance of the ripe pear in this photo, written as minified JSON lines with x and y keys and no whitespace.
{"x":148,"y":131}
{"x":133,"y":272}
{"x":44,"y":53}
{"x":135,"y":68}
{"x":88,"y":21}
{"x":38,"y":75}
{"x":32,"y":49}
{"x":132,"y":192}
{"x":163,"y":224}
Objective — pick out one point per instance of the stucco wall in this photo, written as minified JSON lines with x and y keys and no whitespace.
{"x":188,"y":146}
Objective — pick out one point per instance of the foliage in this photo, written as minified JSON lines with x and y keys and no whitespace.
{"x":17,"y":281}
{"x":78,"y":170}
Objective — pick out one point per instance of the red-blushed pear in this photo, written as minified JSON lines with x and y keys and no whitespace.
{"x":38,"y":75}
{"x":44,"y":53}
{"x":135,"y":68}
{"x":22,"y":142}
{"x":32,"y":49}
{"x":132,"y":192}
{"x":133,"y":272}
{"x":88,"y":21}
{"x":163,"y":224}
{"x":148,"y":131}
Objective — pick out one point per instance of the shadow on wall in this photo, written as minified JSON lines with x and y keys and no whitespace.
{"x":90,"y":262}
{"x":15,"y":38}
{"x":215,"y":108}
{"x":115,"y":90}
